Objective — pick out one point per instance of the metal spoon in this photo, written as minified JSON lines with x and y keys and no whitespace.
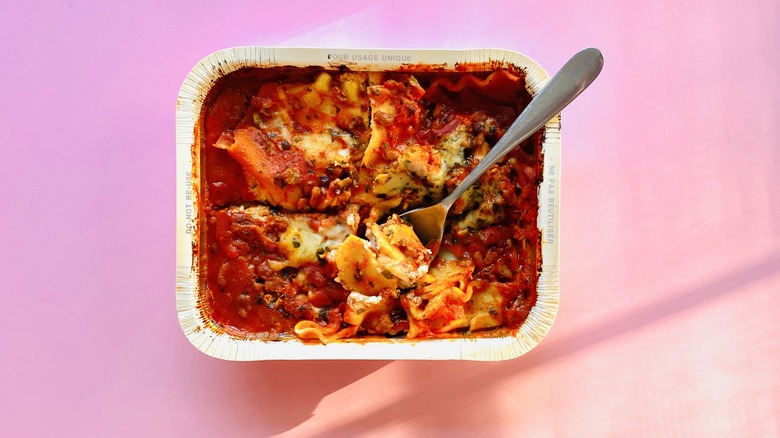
{"x":571,"y":80}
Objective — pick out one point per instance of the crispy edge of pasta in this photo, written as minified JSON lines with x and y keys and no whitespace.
{"x":312,"y":330}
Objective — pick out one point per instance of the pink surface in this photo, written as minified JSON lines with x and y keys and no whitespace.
{"x":670,"y":283}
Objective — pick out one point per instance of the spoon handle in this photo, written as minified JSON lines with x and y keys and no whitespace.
{"x":566,"y":85}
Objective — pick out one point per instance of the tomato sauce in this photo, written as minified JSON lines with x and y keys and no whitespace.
{"x":247,"y":298}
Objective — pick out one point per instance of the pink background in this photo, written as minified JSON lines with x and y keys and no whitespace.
{"x":670,"y":283}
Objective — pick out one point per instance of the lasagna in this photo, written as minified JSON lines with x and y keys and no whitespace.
{"x":306,"y":172}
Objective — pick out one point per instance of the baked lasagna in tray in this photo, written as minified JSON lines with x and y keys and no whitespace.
{"x":303,"y":174}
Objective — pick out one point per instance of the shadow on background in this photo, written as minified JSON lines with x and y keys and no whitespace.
{"x":276,"y":396}
{"x":438,"y":385}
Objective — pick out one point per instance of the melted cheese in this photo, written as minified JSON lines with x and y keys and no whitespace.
{"x":452,"y":146}
{"x":371,"y":313}
{"x":299,"y":243}
{"x":324,"y":142}
{"x":485,"y":201}
{"x":301,"y":129}
{"x":399,"y":250}
{"x":401,"y":162}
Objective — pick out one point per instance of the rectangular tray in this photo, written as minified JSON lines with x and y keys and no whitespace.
{"x":189,"y":301}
